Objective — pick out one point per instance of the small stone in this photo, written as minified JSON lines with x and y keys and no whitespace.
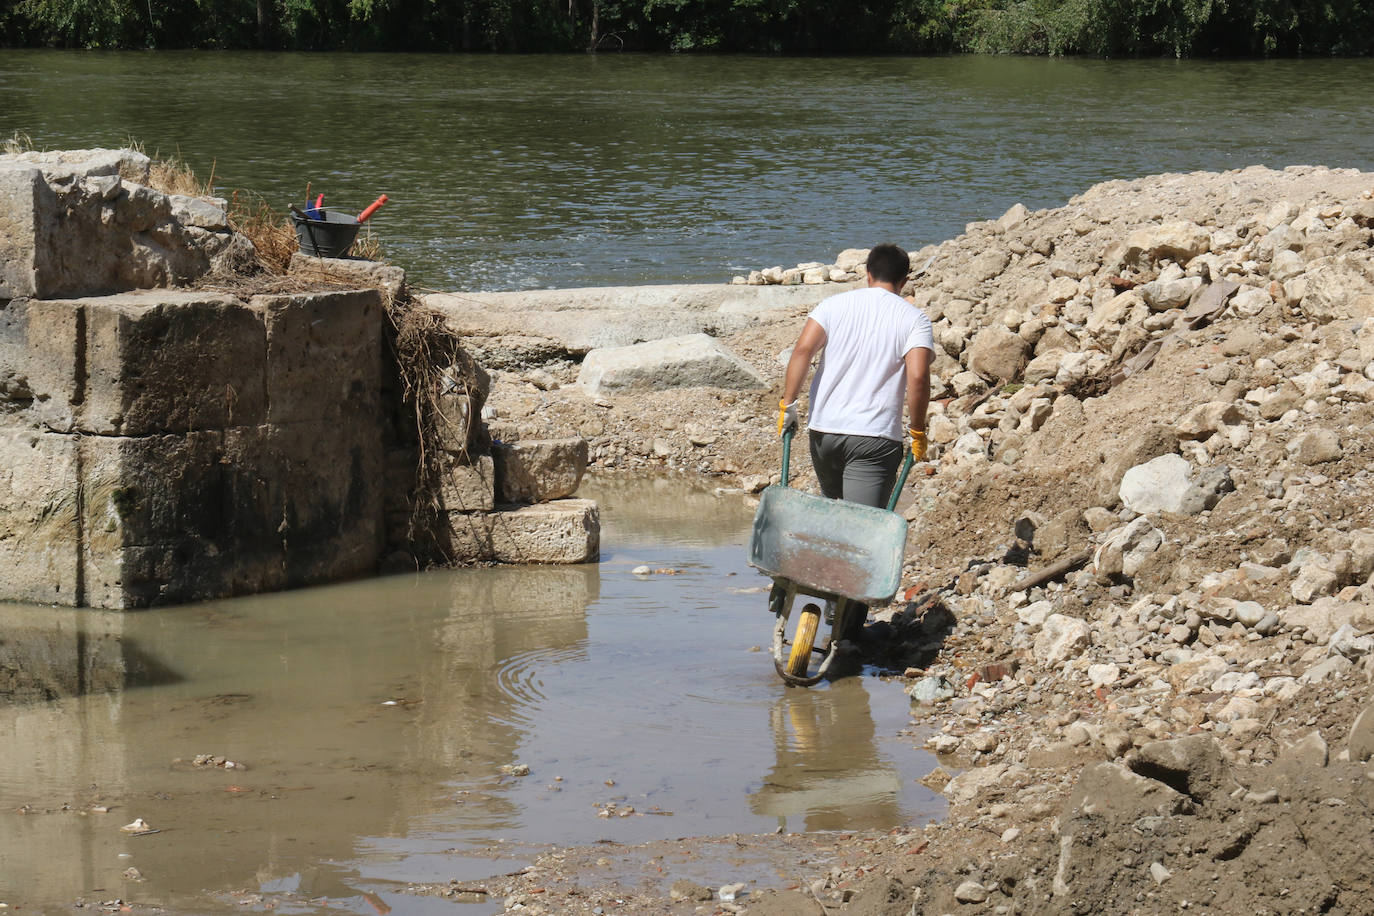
{"x":642,"y":571}
{"x":1010,"y":834}
{"x":1159,"y":872}
{"x":970,"y":892}
{"x":729,"y":892}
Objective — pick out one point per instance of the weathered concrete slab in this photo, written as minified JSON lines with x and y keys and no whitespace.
{"x":160,"y":361}
{"x":538,"y":470}
{"x":563,"y":531}
{"x":469,"y":487}
{"x":39,"y":533}
{"x":526,"y":327}
{"x":348,"y":270}
{"x":693,"y":361}
{"x":324,"y":354}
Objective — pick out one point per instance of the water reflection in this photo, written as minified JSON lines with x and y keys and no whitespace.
{"x":51,"y":654}
{"x":829,"y":772}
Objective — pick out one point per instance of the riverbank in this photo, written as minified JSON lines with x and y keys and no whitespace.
{"x":1162,"y":391}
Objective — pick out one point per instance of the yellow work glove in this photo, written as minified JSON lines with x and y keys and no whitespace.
{"x":918,"y":444}
{"x":787,"y":417}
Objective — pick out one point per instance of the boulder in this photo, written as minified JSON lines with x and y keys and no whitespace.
{"x":997,"y":354}
{"x":1206,"y":419}
{"x":692,"y":361}
{"x":1162,"y":295}
{"x":1164,"y":484}
{"x":1150,"y":440}
{"x":1339,"y":287}
{"x":538,"y":470}
{"x":1195,"y":766}
{"x":1126,"y":549}
{"x":1362,"y":736}
{"x":1177,"y":240}
{"x":1061,"y":638}
{"x":1315,"y":446}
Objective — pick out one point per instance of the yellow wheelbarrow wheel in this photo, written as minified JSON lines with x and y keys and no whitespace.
{"x":803,"y":640}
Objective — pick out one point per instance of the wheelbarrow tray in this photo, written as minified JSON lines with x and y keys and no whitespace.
{"x":828,"y":546}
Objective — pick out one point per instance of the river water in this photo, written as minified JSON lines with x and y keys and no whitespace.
{"x":555,"y":171}
{"x":373,"y":720}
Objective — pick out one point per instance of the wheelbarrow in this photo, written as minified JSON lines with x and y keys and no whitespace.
{"x":845,"y":554}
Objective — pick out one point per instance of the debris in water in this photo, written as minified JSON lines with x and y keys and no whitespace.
{"x":730,"y":891}
{"x":642,"y":571}
{"x":138,"y":827}
{"x":515,"y":769}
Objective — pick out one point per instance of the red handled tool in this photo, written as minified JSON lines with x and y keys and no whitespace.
{"x":371,"y":209}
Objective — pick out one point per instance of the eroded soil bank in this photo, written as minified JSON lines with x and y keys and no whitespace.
{"x":1163,"y":387}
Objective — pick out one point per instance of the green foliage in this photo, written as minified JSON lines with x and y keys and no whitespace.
{"x":1181,"y":28}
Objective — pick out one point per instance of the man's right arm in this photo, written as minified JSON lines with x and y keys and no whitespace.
{"x":811,"y":340}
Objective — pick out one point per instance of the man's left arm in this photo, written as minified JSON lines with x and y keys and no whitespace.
{"x":918,"y":397}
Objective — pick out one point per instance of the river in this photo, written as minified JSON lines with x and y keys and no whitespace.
{"x":554,"y":171}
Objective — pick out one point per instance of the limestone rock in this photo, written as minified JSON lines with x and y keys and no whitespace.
{"x":1315,"y":446}
{"x":1362,"y":736}
{"x":1164,"y":484}
{"x":388,"y":277}
{"x":538,"y":470}
{"x":1061,"y":638}
{"x":693,"y":361}
{"x":1177,"y":240}
{"x":562,"y":531}
{"x":1206,"y":419}
{"x":1162,"y":295}
{"x":1126,"y":550}
{"x":1326,"y":615}
{"x":997,"y":354}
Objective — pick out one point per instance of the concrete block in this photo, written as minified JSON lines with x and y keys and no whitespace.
{"x":20,"y":188}
{"x":324,"y":355}
{"x":537,"y":470}
{"x":39,"y":531}
{"x":564,"y":531}
{"x":38,"y":364}
{"x":177,"y":518}
{"x":208,"y":514}
{"x":329,"y":504}
{"x":160,"y":361}
{"x":469,"y":487}
{"x":692,"y":361}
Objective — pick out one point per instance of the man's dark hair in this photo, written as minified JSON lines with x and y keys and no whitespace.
{"x":889,"y":264}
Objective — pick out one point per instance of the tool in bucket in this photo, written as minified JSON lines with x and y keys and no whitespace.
{"x":327,"y":233}
{"x":846,"y":554}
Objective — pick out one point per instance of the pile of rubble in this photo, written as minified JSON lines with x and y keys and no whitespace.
{"x":1139,"y":618}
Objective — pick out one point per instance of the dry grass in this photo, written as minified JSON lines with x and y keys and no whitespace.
{"x":19,"y":143}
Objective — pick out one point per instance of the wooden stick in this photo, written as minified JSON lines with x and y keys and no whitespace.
{"x":1053,"y":571}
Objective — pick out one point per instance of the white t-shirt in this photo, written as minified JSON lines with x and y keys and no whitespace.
{"x":860,"y":382}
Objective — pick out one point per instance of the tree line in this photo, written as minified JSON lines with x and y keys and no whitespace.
{"x":1106,"y":28}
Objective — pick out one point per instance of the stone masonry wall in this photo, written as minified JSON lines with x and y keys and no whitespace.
{"x":163,"y":446}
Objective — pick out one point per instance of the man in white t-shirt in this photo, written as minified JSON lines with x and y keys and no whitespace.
{"x":876,"y":349}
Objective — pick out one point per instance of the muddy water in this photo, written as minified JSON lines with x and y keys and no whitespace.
{"x":372,"y":721}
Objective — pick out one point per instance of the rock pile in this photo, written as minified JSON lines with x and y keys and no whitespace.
{"x":848,"y":266}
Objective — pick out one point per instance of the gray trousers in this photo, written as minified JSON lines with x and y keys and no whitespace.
{"x":860,"y":469}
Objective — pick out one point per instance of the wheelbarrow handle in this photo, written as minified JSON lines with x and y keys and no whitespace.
{"x":786,"y":454}
{"x":901,"y":481}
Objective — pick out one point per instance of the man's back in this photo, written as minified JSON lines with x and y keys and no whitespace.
{"x":858,"y":386}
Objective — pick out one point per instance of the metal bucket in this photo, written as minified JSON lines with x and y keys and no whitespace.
{"x":331,"y":237}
